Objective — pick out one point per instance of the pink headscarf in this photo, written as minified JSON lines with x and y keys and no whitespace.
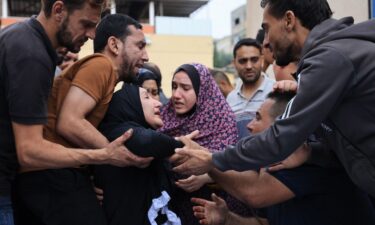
{"x":213,"y":116}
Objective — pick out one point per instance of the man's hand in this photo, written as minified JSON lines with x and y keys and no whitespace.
{"x":193,"y":182}
{"x":285,"y":86}
{"x":296,"y":159}
{"x":119,"y":155}
{"x":99,"y":194}
{"x":178,"y":159}
{"x":197,"y":161}
{"x":211,"y":212}
{"x":190,"y":136}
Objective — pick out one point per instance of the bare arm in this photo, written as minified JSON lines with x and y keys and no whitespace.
{"x":255,"y":189}
{"x":72,"y":123}
{"x":34,"y":152}
{"x":216,"y":212}
{"x":237,"y":219}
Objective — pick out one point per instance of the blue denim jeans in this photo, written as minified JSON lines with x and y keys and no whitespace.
{"x":6,"y":211}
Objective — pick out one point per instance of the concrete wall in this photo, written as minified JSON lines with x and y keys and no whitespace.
{"x":341,"y":8}
{"x":1,"y":8}
{"x":171,"y":51}
{"x":355,"y":8}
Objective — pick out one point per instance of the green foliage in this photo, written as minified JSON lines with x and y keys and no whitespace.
{"x":221,"y":59}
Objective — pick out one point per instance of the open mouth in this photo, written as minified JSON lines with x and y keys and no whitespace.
{"x":178,"y":104}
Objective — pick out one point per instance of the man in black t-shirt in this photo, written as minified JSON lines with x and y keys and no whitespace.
{"x":27,"y":65}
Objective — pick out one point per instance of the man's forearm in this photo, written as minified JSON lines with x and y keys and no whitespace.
{"x":237,"y":184}
{"x":82,"y":133}
{"x":48,"y":155}
{"x":238,"y":220}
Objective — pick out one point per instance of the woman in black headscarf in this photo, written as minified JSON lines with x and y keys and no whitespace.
{"x":149,"y":81}
{"x":128,"y":191}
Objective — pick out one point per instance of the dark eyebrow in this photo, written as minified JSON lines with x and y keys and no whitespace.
{"x":142,"y":42}
{"x":88,"y":23}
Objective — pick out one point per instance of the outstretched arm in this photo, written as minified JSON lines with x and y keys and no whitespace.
{"x":216,"y":212}
{"x":145,"y":142}
{"x":35,"y":153}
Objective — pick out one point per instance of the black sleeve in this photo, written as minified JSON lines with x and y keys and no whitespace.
{"x":146,"y":142}
{"x":309,"y":180}
{"x":320,"y":91}
{"x":322,"y":156}
{"x":30,"y":80}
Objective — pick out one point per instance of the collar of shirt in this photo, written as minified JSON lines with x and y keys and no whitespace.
{"x":37,"y":26}
{"x":260,"y":88}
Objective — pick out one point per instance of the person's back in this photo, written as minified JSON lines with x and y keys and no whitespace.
{"x":329,"y":198}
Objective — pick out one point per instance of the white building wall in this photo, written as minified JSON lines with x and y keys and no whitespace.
{"x":341,"y":8}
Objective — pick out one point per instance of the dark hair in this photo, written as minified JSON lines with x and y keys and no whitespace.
{"x":220,"y":75}
{"x":281,"y":100}
{"x":116,"y":25}
{"x":145,"y":74}
{"x":246,"y":42}
{"x":193,"y":74}
{"x":71,"y":5}
{"x":260,"y":36}
{"x":155,"y":70}
{"x":310,"y":12}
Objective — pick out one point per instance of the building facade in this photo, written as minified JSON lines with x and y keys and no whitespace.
{"x":361,"y":10}
{"x":172,"y":37}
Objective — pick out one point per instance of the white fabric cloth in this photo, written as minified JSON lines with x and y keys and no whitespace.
{"x":161,"y":204}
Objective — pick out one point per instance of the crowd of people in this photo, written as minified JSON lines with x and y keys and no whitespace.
{"x":290,"y":143}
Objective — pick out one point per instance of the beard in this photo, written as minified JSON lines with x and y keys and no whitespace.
{"x":65,"y":38}
{"x":251,"y":80}
{"x":126,"y":70}
{"x":287,"y":56}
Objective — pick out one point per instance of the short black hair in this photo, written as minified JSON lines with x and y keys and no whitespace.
{"x":246,"y":42}
{"x":309,"y":12}
{"x":146,"y":74}
{"x":71,"y":5}
{"x":220,"y":75}
{"x":260,"y":36}
{"x":281,"y":100}
{"x":116,"y":25}
{"x":155,"y":70}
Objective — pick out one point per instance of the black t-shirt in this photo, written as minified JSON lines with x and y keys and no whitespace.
{"x":27,"y":65}
{"x":323,"y":196}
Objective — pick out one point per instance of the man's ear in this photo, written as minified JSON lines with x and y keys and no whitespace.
{"x":112,"y":44}
{"x":290,"y":20}
{"x":223,"y":83}
{"x":58,"y":11}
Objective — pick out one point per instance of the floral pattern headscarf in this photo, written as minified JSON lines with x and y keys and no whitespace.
{"x":213,"y":116}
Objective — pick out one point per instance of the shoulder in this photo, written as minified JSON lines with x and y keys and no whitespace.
{"x":268,"y":82}
{"x":97,"y":61}
{"x":233,"y":94}
{"x":21,"y":37}
{"x":94,"y":67}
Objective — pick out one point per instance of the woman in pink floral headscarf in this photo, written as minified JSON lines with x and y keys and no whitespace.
{"x":197,"y":104}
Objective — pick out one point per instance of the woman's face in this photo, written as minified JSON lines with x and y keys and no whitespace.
{"x":183,"y":94}
{"x":152,"y":88}
{"x":151,"y":109}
